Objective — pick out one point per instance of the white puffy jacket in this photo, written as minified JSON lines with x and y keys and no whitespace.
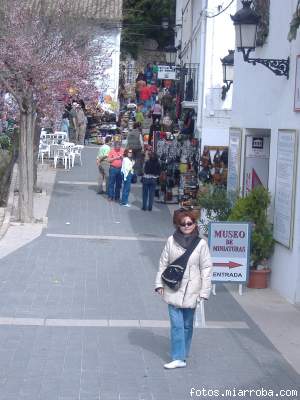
{"x":196,"y":280}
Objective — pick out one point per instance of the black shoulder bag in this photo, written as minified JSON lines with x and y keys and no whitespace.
{"x":173,"y":274}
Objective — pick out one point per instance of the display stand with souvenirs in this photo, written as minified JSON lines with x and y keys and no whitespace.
{"x":100,"y":124}
{"x":214,"y":165}
{"x":179,"y":159}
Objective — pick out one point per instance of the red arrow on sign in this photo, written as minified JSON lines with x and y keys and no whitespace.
{"x":229,"y":264}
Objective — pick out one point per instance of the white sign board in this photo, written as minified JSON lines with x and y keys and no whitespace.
{"x":234,"y":160}
{"x":286,"y":168}
{"x":166,"y":72}
{"x":257,"y":146}
{"x":229,"y":244}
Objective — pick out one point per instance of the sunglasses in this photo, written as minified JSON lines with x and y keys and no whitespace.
{"x":184,"y":224}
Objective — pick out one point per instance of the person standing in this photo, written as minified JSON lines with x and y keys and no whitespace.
{"x":65,"y":124}
{"x":81,"y":123}
{"x":195,"y":285}
{"x":135,"y":142}
{"x":151,"y":173}
{"x":73,"y":128}
{"x":115,"y":157}
{"x":103,"y":165}
{"x":156,"y":111}
{"x":127,"y":172}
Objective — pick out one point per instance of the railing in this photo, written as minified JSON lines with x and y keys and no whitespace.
{"x":189,"y":76}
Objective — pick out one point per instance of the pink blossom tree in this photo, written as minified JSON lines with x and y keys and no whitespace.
{"x":41,"y":54}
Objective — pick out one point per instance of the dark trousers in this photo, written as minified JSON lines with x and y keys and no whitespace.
{"x":155,"y":117}
{"x":149,"y":185}
{"x":114,"y":183}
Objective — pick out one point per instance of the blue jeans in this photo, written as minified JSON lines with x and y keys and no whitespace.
{"x":126,"y":188}
{"x":149,"y":185}
{"x":114,"y":183}
{"x":181,"y":331}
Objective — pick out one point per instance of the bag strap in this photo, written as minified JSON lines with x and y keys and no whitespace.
{"x":192,"y":247}
{"x":183,"y":259}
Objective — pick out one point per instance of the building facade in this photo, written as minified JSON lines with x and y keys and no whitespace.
{"x":266,"y":121}
{"x":203,"y":37}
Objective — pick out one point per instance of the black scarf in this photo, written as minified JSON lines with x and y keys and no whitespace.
{"x":185,"y":241}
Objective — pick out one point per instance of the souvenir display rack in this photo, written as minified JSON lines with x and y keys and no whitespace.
{"x":179,"y":159}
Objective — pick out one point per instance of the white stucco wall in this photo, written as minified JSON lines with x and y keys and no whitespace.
{"x":263,"y":100}
{"x":110,"y":80}
{"x":219,"y":39}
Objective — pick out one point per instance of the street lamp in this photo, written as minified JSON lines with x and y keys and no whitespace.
{"x":171,"y":52}
{"x":165,"y":24}
{"x":228,"y":69}
{"x":246,"y":22}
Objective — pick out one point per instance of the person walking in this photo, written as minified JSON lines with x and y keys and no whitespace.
{"x":195,"y":285}
{"x":151,"y":173}
{"x":103,"y":165}
{"x":135,"y":142}
{"x":156,"y":111}
{"x":127,"y":172}
{"x":115,"y":157}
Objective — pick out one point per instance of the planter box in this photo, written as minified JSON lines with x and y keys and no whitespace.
{"x":258,"y":279}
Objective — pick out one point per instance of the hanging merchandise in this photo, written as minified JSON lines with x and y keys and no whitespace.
{"x":214,"y":165}
{"x":177,"y":158}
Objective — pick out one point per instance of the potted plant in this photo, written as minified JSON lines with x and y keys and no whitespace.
{"x":216,"y":203}
{"x":253,"y":208}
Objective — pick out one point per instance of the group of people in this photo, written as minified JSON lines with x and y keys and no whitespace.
{"x":117,"y":170}
{"x":74,"y":121}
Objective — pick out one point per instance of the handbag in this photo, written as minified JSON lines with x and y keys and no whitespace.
{"x":173,"y":274}
{"x":134,"y":178}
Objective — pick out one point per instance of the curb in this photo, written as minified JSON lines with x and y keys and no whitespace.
{"x":10,"y":202}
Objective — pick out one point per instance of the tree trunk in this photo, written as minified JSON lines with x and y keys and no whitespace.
{"x":36,"y":143}
{"x":27,"y":122}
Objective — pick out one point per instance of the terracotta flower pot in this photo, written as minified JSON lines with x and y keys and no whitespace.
{"x":258,"y":279}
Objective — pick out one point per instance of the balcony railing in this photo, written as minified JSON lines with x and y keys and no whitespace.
{"x":188,"y":76}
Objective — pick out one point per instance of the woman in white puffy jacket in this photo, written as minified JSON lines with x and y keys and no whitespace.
{"x":195,"y":285}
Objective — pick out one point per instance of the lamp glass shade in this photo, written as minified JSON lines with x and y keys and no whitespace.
{"x":228,"y":71}
{"x":172,"y":57}
{"x":245,"y":35}
{"x":165,"y":23}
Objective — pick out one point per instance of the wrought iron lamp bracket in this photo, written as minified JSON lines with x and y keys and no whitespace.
{"x":280,"y":67}
{"x":225,"y":89}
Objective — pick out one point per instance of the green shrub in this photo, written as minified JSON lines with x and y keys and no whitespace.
{"x":216,"y":203}
{"x":5,"y":142}
{"x":253,"y":208}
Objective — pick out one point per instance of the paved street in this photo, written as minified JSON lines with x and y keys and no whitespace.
{"x":79,"y":318}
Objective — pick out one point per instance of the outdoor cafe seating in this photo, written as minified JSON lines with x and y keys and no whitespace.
{"x":57,"y":147}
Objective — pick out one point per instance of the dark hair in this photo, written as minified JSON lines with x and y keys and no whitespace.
{"x":182,"y":213}
{"x":107,"y":139}
{"x":126,"y":152}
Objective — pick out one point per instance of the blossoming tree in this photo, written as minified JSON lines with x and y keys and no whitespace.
{"x":41,"y":54}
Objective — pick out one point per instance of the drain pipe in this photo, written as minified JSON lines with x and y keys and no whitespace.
{"x":201,"y":78}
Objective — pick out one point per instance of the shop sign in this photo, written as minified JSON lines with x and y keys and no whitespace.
{"x":166,"y":72}
{"x":234,"y":160}
{"x":258,"y":147}
{"x":285,"y":190}
{"x":229,"y":244}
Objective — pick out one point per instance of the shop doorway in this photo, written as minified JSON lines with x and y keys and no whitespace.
{"x":257,"y":156}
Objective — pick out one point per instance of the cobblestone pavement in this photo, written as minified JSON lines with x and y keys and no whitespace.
{"x":79,"y":319}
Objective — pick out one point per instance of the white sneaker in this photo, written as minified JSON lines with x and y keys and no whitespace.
{"x":126,"y":205}
{"x":175,"y":364}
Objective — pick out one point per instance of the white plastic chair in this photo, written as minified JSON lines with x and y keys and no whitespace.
{"x":61,"y":154}
{"x":44,"y":148}
{"x":76,"y":152}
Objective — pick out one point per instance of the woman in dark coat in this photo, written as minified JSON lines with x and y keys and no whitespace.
{"x":151,"y":173}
